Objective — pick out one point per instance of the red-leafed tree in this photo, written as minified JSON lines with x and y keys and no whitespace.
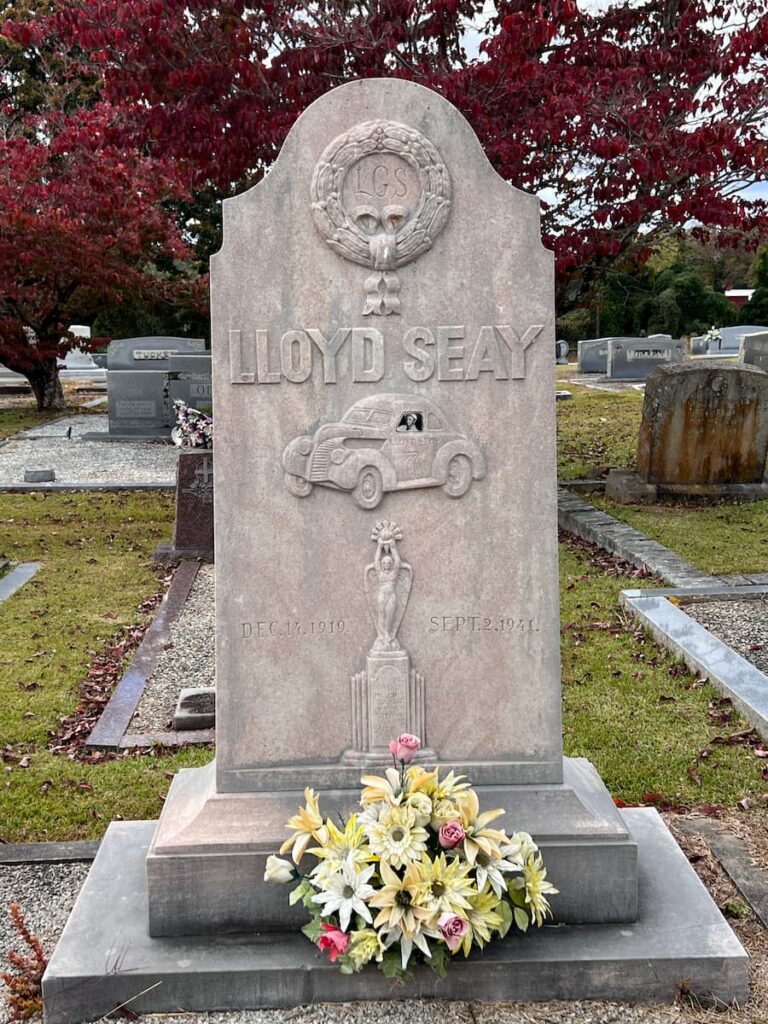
{"x":84,"y":221}
{"x":630,"y":122}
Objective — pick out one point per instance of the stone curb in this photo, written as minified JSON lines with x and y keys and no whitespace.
{"x":578,"y":517}
{"x":749,"y":878}
{"x":701,"y":651}
{"x":16,"y":578}
{"x":116,"y":716}
{"x":47,"y":853}
{"x":139,"y":486}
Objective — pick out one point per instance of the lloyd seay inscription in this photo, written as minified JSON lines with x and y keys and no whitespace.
{"x":448,"y":353}
{"x":384,"y":443}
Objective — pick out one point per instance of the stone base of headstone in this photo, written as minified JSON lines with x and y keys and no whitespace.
{"x":195,"y":708}
{"x":207,"y":859}
{"x":193,"y":525}
{"x":626,"y":488}
{"x":106,"y":957}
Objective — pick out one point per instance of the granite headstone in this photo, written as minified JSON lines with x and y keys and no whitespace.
{"x":635,"y":358}
{"x":754,"y":350}
{"x":593,"y":355}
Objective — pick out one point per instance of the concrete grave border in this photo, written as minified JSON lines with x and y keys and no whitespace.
{"x":111,"y":730}
{"x":16,"y":578}
{"x":701,"y":650}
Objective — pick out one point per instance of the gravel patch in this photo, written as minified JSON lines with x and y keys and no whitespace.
{"x":743,"y":625}
{"x":46,"y":894}
{"x":188,"y":660}
{"x":58,"y":428}
{"x":89,"y":462}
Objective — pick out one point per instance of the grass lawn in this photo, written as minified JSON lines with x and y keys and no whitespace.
{"x":22,"y":417}
{"x":597,"y":430}
{"x":628,"y":706}
{"x":95,"y":550}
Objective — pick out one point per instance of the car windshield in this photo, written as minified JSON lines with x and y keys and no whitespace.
{"x":374,"y":416}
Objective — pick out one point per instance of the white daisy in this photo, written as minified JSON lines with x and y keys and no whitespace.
{"x":346,"y":891}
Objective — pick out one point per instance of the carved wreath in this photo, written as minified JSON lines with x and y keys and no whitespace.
{"x":394,"y":236}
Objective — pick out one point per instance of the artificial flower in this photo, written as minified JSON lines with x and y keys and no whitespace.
{"x":346,"y":891}
{"x":450,"y":834}
{"x":477,"y":834}
{"x":405,"y":747}
{"x":421,"y":806}
{"x":378,"y":789}
{"x":396,"y":901}
{"x":334,"y":940}
{"x":352,"y":843}
{"x":306,"y":825}
{"x":444,"y":886}
{"x":365,"y":944}
{"x":535,"y":875}
{"x":396,"y":837}
{"x":278,"y":870}
{"x":453,"y":929}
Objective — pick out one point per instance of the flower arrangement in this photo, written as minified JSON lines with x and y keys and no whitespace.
{"x":713,"y":338}
{"x":193,"y":428}
{"x":418,"y":875}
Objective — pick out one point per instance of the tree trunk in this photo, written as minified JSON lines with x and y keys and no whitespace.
{"x":46,"y":385}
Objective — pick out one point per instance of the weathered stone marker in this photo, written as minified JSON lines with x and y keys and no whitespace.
{"x":386,"y":560}
{"x":704,"y":426}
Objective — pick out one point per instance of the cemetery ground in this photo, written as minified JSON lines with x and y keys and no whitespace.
{"x":658,"y":735}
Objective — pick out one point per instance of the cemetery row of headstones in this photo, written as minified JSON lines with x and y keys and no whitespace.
{"x":624,"y":358}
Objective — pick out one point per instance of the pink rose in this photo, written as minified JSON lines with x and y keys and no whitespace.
{"x":453,"y":929}
{"x":334,"y":939}
{"x":450,"y":834}
{"x":405,"y":747}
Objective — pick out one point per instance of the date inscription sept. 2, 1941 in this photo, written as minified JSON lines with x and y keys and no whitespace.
{"x":273,"y":629}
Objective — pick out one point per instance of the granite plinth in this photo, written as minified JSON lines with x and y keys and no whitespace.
{"x":207,"y":859}
{"x":637,"y":358}
{"x":105,"y":955}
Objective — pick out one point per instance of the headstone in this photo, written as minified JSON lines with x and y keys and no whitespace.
{"x":190,"y":380}
{"x":562,"y":349}
{"x":699,"y":345}
{"x":139,"y":386}
{"x":38,"y":476}
{"x":730,"y":338}
{"x":635,"y":358}
{"x":193,"y":525}
{"x":356,"y":416}
{"x":593,"y":355}
{"x":151,"y":353}
{"x":704,"y":425}
{"x":76,"y":359}
{"x":386,"y":561}
{"x":754,"y":350}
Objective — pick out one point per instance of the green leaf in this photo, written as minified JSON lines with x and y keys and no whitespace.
{"x":300,"y":892}
{"x":521,"y":919}
{"x":505,"y":912}
{"x":312,"y":930}
{"x":440,"y":959}
{"x":391,"y":966}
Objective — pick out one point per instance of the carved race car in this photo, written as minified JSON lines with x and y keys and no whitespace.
{"x":384,"y":443}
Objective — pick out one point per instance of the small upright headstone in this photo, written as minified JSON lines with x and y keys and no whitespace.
{"x":730,"y":338}
{"x":562,"y":349}
{"x":704,"y":425}
{"x":636,"y":358}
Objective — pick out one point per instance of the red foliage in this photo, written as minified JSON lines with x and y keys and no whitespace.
{"x":629,"y":121}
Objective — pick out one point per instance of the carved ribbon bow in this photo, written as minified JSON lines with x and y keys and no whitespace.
{"x":382,"y":288}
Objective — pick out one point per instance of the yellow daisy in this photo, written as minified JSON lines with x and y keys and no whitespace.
{"x":444,"y":886}
{"x":483,"y":919}
{"x":396,"y":838}
{"x":352,"y":843}
{"x":377,"y":789}
{"x":535,"y":875}
{"x":395,"y":901}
